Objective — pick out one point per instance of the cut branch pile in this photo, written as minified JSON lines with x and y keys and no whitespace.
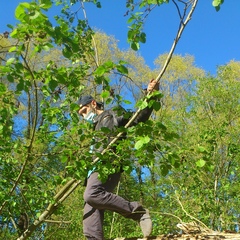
{"x":191,"y":231}
{"x":199,"y":236}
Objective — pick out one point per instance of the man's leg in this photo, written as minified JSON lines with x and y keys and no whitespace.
{"x":93,"y":216}
{"x":98,"y":196}
{"x":92,"y":222}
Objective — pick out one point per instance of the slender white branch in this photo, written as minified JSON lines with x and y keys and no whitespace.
{"x":58,"y":222}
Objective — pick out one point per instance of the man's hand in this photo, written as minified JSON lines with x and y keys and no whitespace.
{"x":153,"y":86}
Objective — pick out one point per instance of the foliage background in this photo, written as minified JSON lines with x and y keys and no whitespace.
{"x":182,"y":164}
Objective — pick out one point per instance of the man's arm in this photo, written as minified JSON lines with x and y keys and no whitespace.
{"x":146,"y":112}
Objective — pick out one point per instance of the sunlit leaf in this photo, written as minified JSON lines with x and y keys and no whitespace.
{"x":105,"y":94}
{"x":10,"y":61}
{"x":135,"y":46}
{"x":200,"y":163}
{"x":100,"y":70}
{"x":143,"y":140}
{"x":46,"y":4}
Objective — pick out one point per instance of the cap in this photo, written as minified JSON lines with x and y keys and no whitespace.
{"x":84,"y":100}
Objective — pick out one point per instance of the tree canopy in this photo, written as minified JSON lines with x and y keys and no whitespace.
{"x":183,"y":163}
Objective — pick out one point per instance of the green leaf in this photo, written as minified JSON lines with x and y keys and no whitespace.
{"x":143,"y":140}
{"x":127,"y":102}
{"x":10,"y":78}
{"x":12,"y":49}
{"x":142,"y":37}
{"x":156,"y":105}
{"x":10,"y":61}
{"x":4,"y":69}
{"x":105,"y":130}
{"x":2,"y":88}
{"x":100,"y":70}
{"x":37,"y":48}
{"x":20,"y":85}
{"x":217,"y":3}
{"x":67,"y":52}
{"x":53,"y":84}
{"x":20,"y":10}
{"x":19,"y":67}
{"x":200,"y":163}
{"x":64,"y":159}
{"x":105,"y":94}
{"x":98,"y":4}
{"x":164,"y":170}
{"x":34,"y":15}
{"x":135,"y":46}
{"x":131,"y":34}
{"x":14,"y":33}
{"x":109,"y":64}
{"x":10,"y":26}
{"x":130,"y":20}
{"x":141,"y":104}
{"x":170,"y":136}
{"x":46,"y":4}
{"x":47,"y":46}
{"x":122,"y":69}
{"x":202,"y":149}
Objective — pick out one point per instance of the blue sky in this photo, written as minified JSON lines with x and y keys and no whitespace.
{"x":213,"y":38}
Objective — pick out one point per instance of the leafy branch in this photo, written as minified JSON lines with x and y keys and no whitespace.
{"x":32,"y":137}
{"x":59,"y":198}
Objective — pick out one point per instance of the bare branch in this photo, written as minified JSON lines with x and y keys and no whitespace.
{"x":58,"y":222}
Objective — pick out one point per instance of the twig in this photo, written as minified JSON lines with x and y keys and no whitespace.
{"x":114,"y":214}
{"x":178,"y":36}
{"x":167,"y":214}
{"x":197,"y":220}
{"x":58,"y":222}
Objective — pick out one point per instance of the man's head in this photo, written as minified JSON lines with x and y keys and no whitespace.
{"x":88,"y":104}
{"x":84,"y":100}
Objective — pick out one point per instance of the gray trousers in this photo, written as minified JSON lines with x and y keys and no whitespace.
{"x":98,"y":197}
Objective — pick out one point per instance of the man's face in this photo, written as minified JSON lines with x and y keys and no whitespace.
{"x":84,"y":110}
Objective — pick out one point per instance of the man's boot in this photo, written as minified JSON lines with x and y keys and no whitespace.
{"x":146,"y":223}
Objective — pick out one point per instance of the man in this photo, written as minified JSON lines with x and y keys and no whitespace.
{"x":98,"y":195}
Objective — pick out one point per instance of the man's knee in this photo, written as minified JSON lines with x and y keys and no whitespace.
{"x":88,"y":197}
{"x":93,"y":197}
